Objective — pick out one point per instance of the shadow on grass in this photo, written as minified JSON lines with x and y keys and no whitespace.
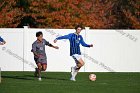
{"x":18,"y":77}
{"x":46,"y":77}
{"x":32,"y":77}
{"x":58,"y":78}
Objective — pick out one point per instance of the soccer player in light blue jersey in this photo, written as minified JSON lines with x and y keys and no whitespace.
{"x":75,"y":40}
{"x":2,"y":41}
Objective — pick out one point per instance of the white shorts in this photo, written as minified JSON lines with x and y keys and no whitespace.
{"x":76,"y":57}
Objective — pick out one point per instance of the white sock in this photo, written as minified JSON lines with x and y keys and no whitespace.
{"x":76,"y":71}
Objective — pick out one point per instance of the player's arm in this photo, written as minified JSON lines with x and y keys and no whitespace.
{"x":62,"y":37}
{"x":84,"y":44}
{"x":50,"y":45}
{"x":2,"y":42}
{"x":56,"y":47}
{"x":35,"y":54}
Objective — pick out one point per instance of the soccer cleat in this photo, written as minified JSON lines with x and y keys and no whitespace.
{"x":72,"y":79}
{"x":39,"y":79}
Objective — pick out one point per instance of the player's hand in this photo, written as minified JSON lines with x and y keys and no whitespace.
{"x":56,"y":47}
{"x":1,"y":43}
{"x":91,"y":45}
{"x":55,"y":41}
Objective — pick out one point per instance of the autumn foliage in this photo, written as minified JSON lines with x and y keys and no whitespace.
{"x":97,"y":14}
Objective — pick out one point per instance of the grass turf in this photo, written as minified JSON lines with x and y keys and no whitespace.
{"x":58,"y":82}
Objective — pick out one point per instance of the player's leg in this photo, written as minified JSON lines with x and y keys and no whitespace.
{"x":36,"y":72}
{"x":39,"y":70}
{"x":44,"y":66}
{"x":36,"y":69}
{"x":79,"y":63}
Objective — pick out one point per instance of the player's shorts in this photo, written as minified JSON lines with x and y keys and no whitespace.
{"x":40,"y":60}
{"x":76,"y":57}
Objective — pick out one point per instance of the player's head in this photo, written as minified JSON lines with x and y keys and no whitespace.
{"x":39,"y":36}
{"x":78,"y":29}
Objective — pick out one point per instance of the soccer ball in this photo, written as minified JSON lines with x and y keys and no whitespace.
{"x":92,"y":77}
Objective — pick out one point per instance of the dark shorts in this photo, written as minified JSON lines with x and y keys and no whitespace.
{"x":39,"y":60}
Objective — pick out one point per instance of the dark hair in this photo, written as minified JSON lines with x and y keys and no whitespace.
{"x":39,"y":33}
{"x":78,"y":27}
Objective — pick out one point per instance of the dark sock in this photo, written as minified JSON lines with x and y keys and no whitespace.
{"x":39,"y":73}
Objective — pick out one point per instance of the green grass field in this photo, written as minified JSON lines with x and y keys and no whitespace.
{"x":58,"y":82}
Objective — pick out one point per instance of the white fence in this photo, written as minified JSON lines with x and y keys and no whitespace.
{"x":113,"y":51}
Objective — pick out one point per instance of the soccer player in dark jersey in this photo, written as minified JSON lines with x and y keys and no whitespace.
{"x":38,"y":49}
{"x":2,"y":41}
{"x":75,"y":40}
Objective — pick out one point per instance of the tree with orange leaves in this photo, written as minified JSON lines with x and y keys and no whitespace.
{"x":97,"y":14}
